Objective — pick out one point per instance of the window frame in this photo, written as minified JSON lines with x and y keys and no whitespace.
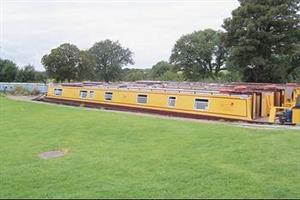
{"x":86,"y":95}
{"x":92,"y":92}
{"x":111,"y":93}
{"x":201,"y":99}
{"x":175,"y":98}
{"x":61,"y":91}
{"x":139,"y":95}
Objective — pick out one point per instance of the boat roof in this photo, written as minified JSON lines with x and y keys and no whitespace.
{"x":224,"y":88}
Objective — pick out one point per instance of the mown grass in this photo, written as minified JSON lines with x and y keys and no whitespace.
{"x":127,"y":156}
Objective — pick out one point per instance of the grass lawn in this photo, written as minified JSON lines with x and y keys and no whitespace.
{"x":125,"y":156}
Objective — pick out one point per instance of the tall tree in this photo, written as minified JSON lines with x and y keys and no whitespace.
{"x":8,"y":70}
{"x":160,"y":68}
{"x":262,"y":37}
{"x":134,"y":74}
{"x":62,"y":63}
{"x":110,"y":57}
{"x":86,"y":67}
{"x":41,"y":76}
{"x":165,"y":71}
{"x":200,"y":54}
{"x":26,"y":75}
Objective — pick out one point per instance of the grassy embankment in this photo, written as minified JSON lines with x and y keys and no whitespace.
{"x":123,"y":155}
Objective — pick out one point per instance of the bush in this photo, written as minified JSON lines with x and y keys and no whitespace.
{"x":35,"y":91}
{"x":19,"y":90}
{"x":2,"y":94}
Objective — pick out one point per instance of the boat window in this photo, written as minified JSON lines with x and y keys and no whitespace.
{"x":108,"y":96}
{"x":201,"y":104}
{"x":172,"y":101}
{"x":92,"y":94}
{"x":142,"y":98}
{"x":83,"y":94}
{"x":57,"y":92}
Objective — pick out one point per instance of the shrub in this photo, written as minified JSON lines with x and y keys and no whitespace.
{"x":35,"y":91}
{"x":19,"y":90}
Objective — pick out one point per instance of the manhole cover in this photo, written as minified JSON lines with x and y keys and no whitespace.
{"x":51,"y":154}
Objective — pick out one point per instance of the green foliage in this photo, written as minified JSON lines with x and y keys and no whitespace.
{"x":35,"y":91}
{"x":110,"y":57}
{"x":8,"y":70}
{"x":26,"y":75}
{"x":263,"y":39}
{"x":40,"y":76}
{"x":162,"y":71}
{"x":118,"y":155}
{"x":171,"y":75}
{"x":134,"y":74}
{"x":230,"y":76}
{"x":165,"y":71}
{"x":159,"y":69}
{"x":19,"y":90}
{"x":62,"y":63}
{"x":294,"y":77}
{"x":199,"y":55}
{"x":22,"y":91}
{"x":86,"y":67}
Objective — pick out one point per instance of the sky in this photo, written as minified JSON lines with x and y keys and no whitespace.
{"x":149,"y":28}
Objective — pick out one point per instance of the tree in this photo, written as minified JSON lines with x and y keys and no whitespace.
{"x":26,"y":75}
{"x":165,"y":71}
{"x":62,"y":63}
{"x":110,"y":57}
{"x":160,"y":68}
{"x":134,"y":74}
{"x":86,"y":67}
{"x":40,"y":76}
{"x":8,"y":70}
{"x":262,"y":37}
{"x":200,"y":54}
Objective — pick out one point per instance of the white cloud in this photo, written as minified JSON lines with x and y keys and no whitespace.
{"x":30,"y":29}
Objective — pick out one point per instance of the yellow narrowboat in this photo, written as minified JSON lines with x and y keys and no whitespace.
{"x":245,"y":102}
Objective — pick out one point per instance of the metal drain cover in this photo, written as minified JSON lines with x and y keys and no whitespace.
{"x":51,"y":154}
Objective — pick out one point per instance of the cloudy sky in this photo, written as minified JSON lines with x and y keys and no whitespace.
{"x":30,"y":29}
